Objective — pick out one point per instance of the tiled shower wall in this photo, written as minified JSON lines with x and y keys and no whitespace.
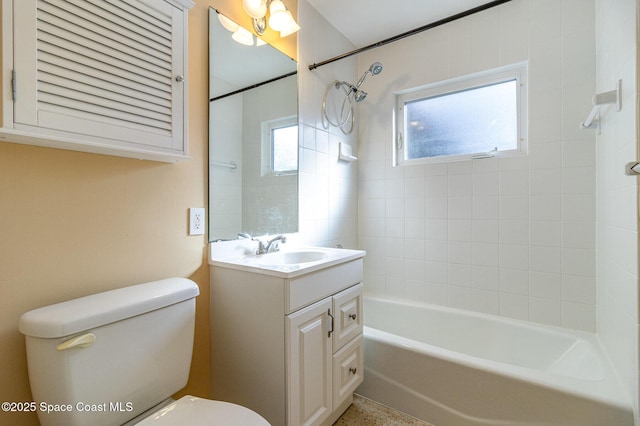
{"x":617,"y":199}
{"x":512,"y":236}
{"x":328,"y":187}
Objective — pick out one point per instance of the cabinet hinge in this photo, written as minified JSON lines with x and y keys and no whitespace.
{"x":14,"y":85}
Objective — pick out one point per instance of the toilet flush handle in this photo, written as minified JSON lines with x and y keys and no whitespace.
{"x":82,"y":341}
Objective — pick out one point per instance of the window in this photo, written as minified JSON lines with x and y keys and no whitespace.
{"x":477,"y":116}
{"x":280,"y":146}
{"x":284,"y":149}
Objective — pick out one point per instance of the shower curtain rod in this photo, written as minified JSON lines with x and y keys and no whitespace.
{"x":253,"y":86}
{"x":412,"y":32}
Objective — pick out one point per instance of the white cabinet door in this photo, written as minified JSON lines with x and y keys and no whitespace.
{"x":309,"y":366}
{"x":102,"y":76}
{"x":348,"y":316}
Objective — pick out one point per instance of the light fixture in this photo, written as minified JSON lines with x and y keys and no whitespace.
{"x":239,"y":34}
{"x":280,"y":19}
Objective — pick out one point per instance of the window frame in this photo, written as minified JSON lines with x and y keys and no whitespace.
{"x":267,"y":144}
{"x":478,"y":80}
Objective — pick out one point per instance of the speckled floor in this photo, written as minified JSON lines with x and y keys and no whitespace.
{"x":365,"y":412}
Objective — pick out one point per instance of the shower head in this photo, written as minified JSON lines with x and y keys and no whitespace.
{"x":359,"y":95}
{"x":374,"y":69}
{"x":351,"y":91}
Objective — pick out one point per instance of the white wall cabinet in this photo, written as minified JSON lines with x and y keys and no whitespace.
{"x":289,"y":348}
{"x":102,"y":76}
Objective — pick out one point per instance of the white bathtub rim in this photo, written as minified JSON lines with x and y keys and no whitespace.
{"x":608,"y":389}
{"x":552,"y":329}
{"x":589,"y":337}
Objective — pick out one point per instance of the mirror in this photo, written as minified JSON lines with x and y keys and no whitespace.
{"x":253,"y":134}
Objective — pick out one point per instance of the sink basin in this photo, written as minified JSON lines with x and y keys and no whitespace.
{"x":289,"y":262}
{"x":291,"y":258}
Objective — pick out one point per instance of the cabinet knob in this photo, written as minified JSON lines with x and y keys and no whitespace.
{"x":353,"y":316}
{"x":353,"y":370}
{"x":180,"y":78}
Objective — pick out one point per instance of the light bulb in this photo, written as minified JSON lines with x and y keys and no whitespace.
{"x":277,"y":6}
{"x":227,"y":23}
{"x":278,"y":19}
{"x":255,"y":8}
{"x":243,"y":36}
{"x":291,"y":27}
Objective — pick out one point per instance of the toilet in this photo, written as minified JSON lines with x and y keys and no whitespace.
{"x":115,"y":358}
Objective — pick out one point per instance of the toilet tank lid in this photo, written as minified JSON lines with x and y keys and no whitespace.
{"x":78,"y":315}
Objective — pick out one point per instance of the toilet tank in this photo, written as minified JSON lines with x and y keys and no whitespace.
{"x":104,"y":359}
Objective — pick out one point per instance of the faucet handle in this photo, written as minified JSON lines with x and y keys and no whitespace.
{"x":262,"y":249}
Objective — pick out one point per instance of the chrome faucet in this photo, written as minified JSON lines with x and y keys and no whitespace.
{"x":271,"y":245}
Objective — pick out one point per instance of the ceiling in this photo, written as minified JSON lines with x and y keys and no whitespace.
{"x":366,"y":22}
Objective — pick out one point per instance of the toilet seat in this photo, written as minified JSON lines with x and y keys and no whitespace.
{"x":194,"y":411}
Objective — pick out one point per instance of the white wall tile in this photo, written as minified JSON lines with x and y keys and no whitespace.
{"x":460,"y":274}
{"x":485,"y":184}
{"x":546,"y":259}
{"x":514,"y":306}
{"x":579,"y":289}
{"x":486,"y":231}
{"x":485,"y":301}
{"x":546,"y":233}
{"x":460,"y":252}
{"x":514,"y":281}
{"x":486,"y":277}
{"x":514,"y":256}
{"x":460,"y":230}
{"x":515,"y":232}
{"x":578,"y":316}
{"x":460,"y":297}
{"x":514,"y":182}
{"x":546,"y":311}
{"x":437,"y":250}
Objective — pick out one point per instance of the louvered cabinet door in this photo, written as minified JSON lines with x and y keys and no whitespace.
{"x":106,"y":72}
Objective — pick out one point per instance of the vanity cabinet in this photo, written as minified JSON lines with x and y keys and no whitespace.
{"x":324,"y":360}
{"x":288,"y":347}
{"x":106,"y":76}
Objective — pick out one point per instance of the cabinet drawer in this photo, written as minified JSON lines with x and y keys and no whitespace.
{"x":347,"y":310}
{"x":348,"y":369}
{"x":306,"y":289}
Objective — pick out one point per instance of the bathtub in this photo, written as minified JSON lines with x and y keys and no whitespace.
{"x":455,"y":368}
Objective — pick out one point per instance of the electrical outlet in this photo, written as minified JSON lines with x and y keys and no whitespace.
{"x":196,"y":221}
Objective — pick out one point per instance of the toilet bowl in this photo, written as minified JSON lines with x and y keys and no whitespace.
{"x":114,"y":358}
{"x":194,"y":411}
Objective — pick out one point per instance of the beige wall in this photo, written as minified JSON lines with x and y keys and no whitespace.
{"x":72,"y":224}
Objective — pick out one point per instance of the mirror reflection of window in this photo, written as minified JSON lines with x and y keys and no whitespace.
{"x":280,"y":146}
{"x":285,"y":149}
